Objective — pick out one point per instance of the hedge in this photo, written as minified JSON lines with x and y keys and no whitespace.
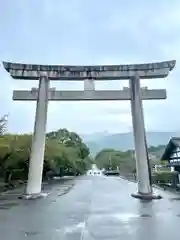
{"x":165,"y":177}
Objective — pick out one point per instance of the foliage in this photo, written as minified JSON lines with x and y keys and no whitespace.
{"x":164,"y":162}
{"x":124,"y":160}
{"x":14,"y":155}
{"x":113,"y":159}
{"x":162,"y":177}
{"x":157,"y":151}
{"x":153,"y":149}
{"x":65,"y":153}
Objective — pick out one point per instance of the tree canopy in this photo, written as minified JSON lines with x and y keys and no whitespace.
{"x":65,"y":153}
{"x":125,"y":161}
{"x":113,"y":159}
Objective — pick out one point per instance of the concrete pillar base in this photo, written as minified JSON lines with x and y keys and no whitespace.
{"x":34,"y":196}
{"x":147,"y":197}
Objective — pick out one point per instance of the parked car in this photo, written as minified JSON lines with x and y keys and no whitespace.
{"x":111,"y":173}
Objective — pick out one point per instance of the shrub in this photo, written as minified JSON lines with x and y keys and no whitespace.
{"x":165,"y":177}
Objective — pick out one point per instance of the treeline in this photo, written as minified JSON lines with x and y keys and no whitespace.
{"x":125,"y":161}
{"x":113,"y":159}
{"x":65,"y":154}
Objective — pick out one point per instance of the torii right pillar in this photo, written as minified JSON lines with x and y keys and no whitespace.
{"x":142,"y":161}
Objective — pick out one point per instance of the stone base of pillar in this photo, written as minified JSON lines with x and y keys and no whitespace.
{"x":34,"y":196}
{"x":148,"y":197}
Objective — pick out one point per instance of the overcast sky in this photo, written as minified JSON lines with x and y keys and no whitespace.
{"x":90,"y":32}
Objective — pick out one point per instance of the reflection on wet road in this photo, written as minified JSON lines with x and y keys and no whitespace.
{"x":95,"y":208}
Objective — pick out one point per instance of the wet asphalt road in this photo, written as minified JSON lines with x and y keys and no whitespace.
{"x":96,"y":207}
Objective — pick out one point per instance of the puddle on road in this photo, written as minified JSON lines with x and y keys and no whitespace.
{"x":129,"y":216}
{"x":70,"y":229}
{"x":126,"y":217}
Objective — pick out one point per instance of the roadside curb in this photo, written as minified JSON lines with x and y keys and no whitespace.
{"x":130,"y":180}
{"x":165,"y":188}
{"x":18,"y":193}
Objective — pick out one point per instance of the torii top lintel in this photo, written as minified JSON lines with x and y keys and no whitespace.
{"x":99,"y":72}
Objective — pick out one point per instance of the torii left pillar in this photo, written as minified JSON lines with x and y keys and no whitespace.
{"x":38,"y":141}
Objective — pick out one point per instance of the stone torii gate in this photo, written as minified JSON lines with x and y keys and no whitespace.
{"x":88,"y":74}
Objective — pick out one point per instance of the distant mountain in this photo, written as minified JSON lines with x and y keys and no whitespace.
{"x":125,"y":141}
{"x":94,"y":136}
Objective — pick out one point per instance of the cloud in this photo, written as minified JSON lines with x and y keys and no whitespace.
{"x":87,"y":32}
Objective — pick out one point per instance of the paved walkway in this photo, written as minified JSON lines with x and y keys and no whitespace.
{"x":96,"y":207}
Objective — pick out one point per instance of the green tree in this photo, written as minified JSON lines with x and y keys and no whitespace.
{"x":65,"y":153}
{"x":113,"y":159}
{"x":71,"y":141}
{"x":14,"y":155}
